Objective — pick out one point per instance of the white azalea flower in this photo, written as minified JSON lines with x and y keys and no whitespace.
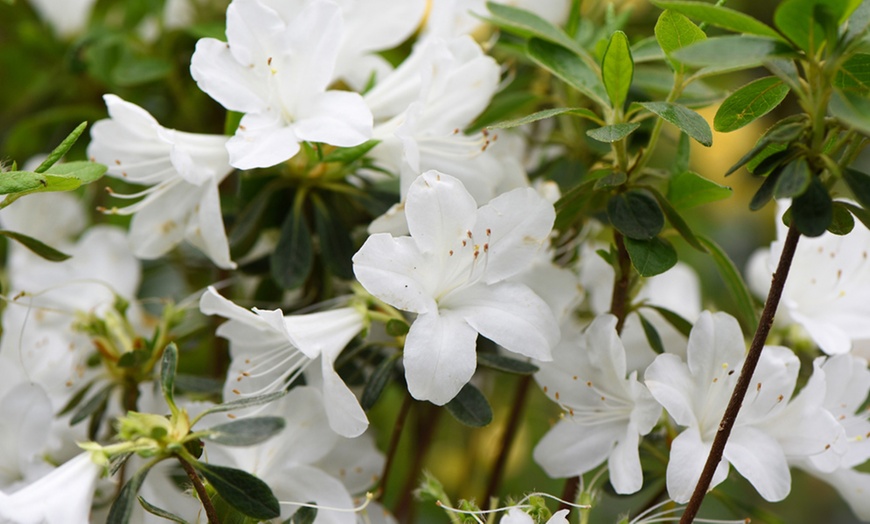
{"x":696,"y":393}
{"x":461,"y":17}
{"x":184,"y":170}
{"x":607,"y":412}
{"x":67,"y":17}
{"x":23,"y":444}
{"x":518,"y":516}
{"x":275,"y":67}
{"x":827,"y":285}
{"x":452,"y":271}
{"x":270,"y":350}
{"x":306,"y":462}
{"x":61,"y":497}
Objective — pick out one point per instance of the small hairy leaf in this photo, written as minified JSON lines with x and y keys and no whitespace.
{"x":687,"y":120}
{"x":45,"y":251}
{"x":617,"y":69}
{"x":377,"y":382}
{"x":241,"y":490}
{"x":749,"y":103}
{"x":569,"y":67}
{"x":688,"y":189}
{"x":62,"y":149}
{"x":470,"y":407}
{"x":674,"y":31}
{"x":122,"y":507}
{"x":612,"y":133}
{"x":546,"y":113}
{"x":794,"y":180}
{"x":651,"y":257}
{"x":246,"y":432}
{"x":719,"y":16}
{"x":813,"y":211}
{"x":842,"y":222}
{"x":506,"y":364}
{"x":635,"y":214}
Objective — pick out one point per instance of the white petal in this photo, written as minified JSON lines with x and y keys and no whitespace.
{"x":853,"y":486}
{"x":516,"y":516}
{"x":305,"y":484}
{"x":262,"y":140}
{"x":440,"y":356}
{"x":688,"y":456}
{"x":669,"y":381}
{"x":393,"y":269}
{"x":626,"y":475}
{"x":339,"y":118}
{"x":571,"y":448}
{"x":440,"y":213}
{"x":346,"y":416}
{"x":222,"y":77}
{"x":206,"y":228}
{"x":758,"y":457}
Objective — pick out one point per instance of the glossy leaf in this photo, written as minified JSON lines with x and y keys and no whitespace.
{"x":528,"y":24}
{"x":614,"y":179}
{"x":652,"y":335}
{"x":569,"y":67}
{"x":470,"y":407}
{"x":612,"y":133}
{"x":674,"y":31}
{"x":304,"y":515}
{"x":749,"y":103}
{"x":854,"y":74}
{"x":764,"y":194}
{"x":347,"y":155}
{"x":859,"y":183}
{"x":506,"y":364}
{"x":719,"y":16}
{"x":245,"y":432}
{"x":92,"y":405}
{"x":292,"y":260}
{"x":805,"y":22}
{"x":674,"y":319}
{"x":546,"y":113}
{"x":168,"y":368}
{"x":794,"y":180}
{"x":159,"y":512}
{"x":243,"y":403}
{"x":730,"y":52}
{"x":125,"y":502}
{"x":43,"y":250}
{"x":617,"y":69}
{"x":687,"y":120}
{"x":676,"y":220}
{"x":62,"y":149}
{"x":635,"y":214}
{"x":734,"y":282}
{"x":773,"y":140}
{"x":842,"y":222}
{"x":336,"y":246}
{"x":858,"y":212}
{"x":812,"y":212}
{"x":651,"y":257}
{"x":687,"y":190}
{"x":377,"y":382}
{"x":241,"y":490}
{"x":852,"y":109}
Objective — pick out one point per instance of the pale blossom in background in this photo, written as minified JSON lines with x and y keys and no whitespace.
{"x":518,"y":516}
{"x":67,"y":17}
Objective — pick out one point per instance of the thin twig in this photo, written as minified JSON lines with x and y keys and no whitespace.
{"x":210,"y":512}
{"x":510,"y":432}
{"x":767,"y":315}
{"x":394,"y":444}
{"x":619,"y":299}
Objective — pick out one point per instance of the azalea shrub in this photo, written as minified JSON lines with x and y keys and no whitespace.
{"x":340,"y":261}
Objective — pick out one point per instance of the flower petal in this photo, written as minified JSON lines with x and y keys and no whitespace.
{"x":688,"y":456}
{"x":571,"y":448}
{"x":339,"y":118}
{"x":393,"y":269}
{"x":440,"y":213}
{"x":759,"y":458}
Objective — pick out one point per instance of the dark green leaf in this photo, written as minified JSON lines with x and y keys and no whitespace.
{"x":336,"y":246}
{"x":506,"y":364}
{"x":92,"y":405}
{"x":612,"y":133}
{"x":198,"y":385}
{"x":614,"y":179}
{"x":676,"y":220}
{"x":688,"y":189}
{"x":786,"y":70}
{"x":122,"y":507}
{"x":76,"y":399}
{"x":842,"y":222}
{"x":168,"y":368}
{"x":734,"y":282}
{"x":377,"y":382}
{"x":62,"y":149}
{"x":528,"y":24}
{"x":241,"y":490}
{"x":854,"y":74}
{"x":805,"y":22}
{"x":674,"y":319}
{"x":347,"y":155}
{"x":749,"y":103}
{"x":730,"y":52}
{"x":569,"y":67}
{"x":243,"y":403}
{"x":43,"y":250}
{"x":651,"y":257}
{"x":687,"y":120}
{"x":635,"y":214}
{"x":813,"y":211}
{"x":304,"y":515}
{"x":293,"y":257}
{"x":774,"y":140}
{"x":546,"y":113}
{"x":470,"y":407}
{"x":767,"y":163}
{"x":617,"y":69}
{"x":765,"y":192}
{"x":859,"y":183}
{"x":162,"y":513}
{"x":652,"y":335}
{"x":674,"y":31}
{"x":852,"y":109}
{"x":133,"y":359}
{"x":246,"y":228}
{"x":719,"y":16}
{"x":246,"y":432}
{"x":858,"y":212}
{"x":794,"y":180}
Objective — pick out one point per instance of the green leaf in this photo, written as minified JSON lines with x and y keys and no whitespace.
{"x":397,"y":328}
{"x":681,"y":161}
{"x":83,"y":171}
{"x":246,"y":227}
{"x":651,"y":257}
{"x":617,"y":69}
{"x":860,"y":213}
{"x":470,"y":407}
{"x":347,"y":155}
{"x":569,"y":67}
{"x":241,"y":490}
{"x":47,"y":252}
{"x":122,"y":507}
{"x":168,"y":368}
{"x":304,"y":515}
{"x":766,"y":190}
{"x":76,"y":399}
{"x":652,"y":335}
{"x":506,"y":364}
{"x":774,"y":140}
{"x":336,"y":246}
{"x":246,"y":432}
{"x":719,"y":16}
{"x":674,"y":31}
{"x":377,"y":382}
{"x":676,"y":220}
{"x":614,"y":179}
{"x":842,"y":222}
{"x":813,"y":211}
{"x":647,"y":50}
{"x":138,"y":70}
{"x":852,"y":109}
{"x":20,"y":181}
{"x":546,"y":113}
{"x":92,"y":405}
{"x":674,"y":319}
{"x":858,"y":21}
{"x":794,"y":180}
{"x":62,"y":149}
{"x":687,"y":190}
{"x":805,"y":22}
{"x":854,"y":74}
{"x":636,"y":215}
{"x":746,"y":310}
{"x":162,"y":513}
{"x":687,"y":120}
{"x":243,"y":403}
{"x":730,"y":52}
{"x":528,"y":24}
{"x":859,"y":183}
{"x":749,"y":103}
{"x":293,"y":257}
{"x":612,"y":133}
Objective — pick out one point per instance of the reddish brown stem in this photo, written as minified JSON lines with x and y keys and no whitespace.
{"x":510,"y":432}
{"x":394,"y":443}
{"x":210,"y":512}
{"x":743,"y":382}
{"x":619,"y":299}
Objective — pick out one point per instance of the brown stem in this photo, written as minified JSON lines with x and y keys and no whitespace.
{"x":210,"y":512}
{"x":394,"y":444}
{"x":427,"y":422}
{"x":569,"y":492}
{"x":764,"y":325}
{"x":619,"y":300}
{"x":510,"y":432}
